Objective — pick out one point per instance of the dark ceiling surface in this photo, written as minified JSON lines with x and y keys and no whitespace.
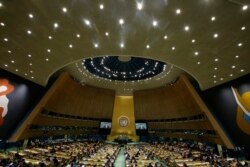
{"x":209,"y":39}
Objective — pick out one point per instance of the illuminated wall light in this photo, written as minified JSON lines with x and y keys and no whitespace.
{"x":198,"y":62}
{"x":147,"y":46}
{"x":165,"y":37}
{"x":213,"y":18}
{"x":214,"y":76}
{"x":101,"y":6}
{"x":216,"y":35}
{"x":31,"y":16}
{"x":178,"y":11}
{"x":48,"y":50}
{"x":221,"y":79}
{"x":32,"y":77}
{"x":122,"y":45}
{"x":245,"y":7}
{"x":47,"y":59}
{"x":233,"y":66}
{"x":106,"y":33}
{"x":154,"y":23}
{"x":6,"y":65}
{"x":215,"y":68}
{"x":242,"y":70}
{"x":193,"y":41}
{"x":56,"y":25}
{"x":70,"y":46}
{"x":29,"y":55}
{"x":237,"y":56}
{"x":243,"y":28}
{"x":139,"y":5}
{"x":25,"y":74}
{"x":78,"y":35}
{"x":31,"y":71}
{"x":2,"y":24}
{"x":1,"y":4}
{"x":16,"y":70}
{"x":216,"y":59}
{"x":196,"y":53}
{"x":9,"y":51}
{"x":121,"y":21}
{"x":64,"y":9}
{"x":173,"y":48}
{"x":96,"y":45}
{"x":215,"y":81}
{"x":29,"y":32}
{"x":6,"y":39}
{"x":186,"y":28}
{"x":240,"y":44}
{"x":30,"y":64}
{"x":231,"y":75}
{"x":12,"y":61}
{"x":50,"y":37}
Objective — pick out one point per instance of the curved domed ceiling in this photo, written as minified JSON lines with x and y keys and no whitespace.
{"x":209,"y":39}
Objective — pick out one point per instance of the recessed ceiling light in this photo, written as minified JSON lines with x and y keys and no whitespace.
{"x":31,"y":16}
{"x":12,"y":61}
{"x":240,"y":44}
{"x":25,"y":74}
{"x":101,"y":6}
{"x":32,"y":77}
{"x":147,"y":46}
{"x":165,"y":37}
{"x":231,"y":75}
{"x":243,"y":28}
{"x":6,"y":39}
{"x":214,"y":76}
{"x":78,"y":35}
{"x":221,"y":79}
{"x":96,"y":45}
{"x":242,"y":70}
{"x":213,"y":18}
{"x":31,"y":71}
{"x":233,"y":66}
{"x":16,"y":70}
{"x":56,"y":25}
{"x":29,"y":32}
{"x":121,"y":21}
{"x":2,"y":24}
{"x":245,"y":7}
{"x":9,"y":51}
{"x":70,"y":46}
{"x":154,"y":23}
{"x":139,"y":5}
{"x":215,"y":81}
{"x":122,"y":45}
{"x":47,"y":59}
{"x":216,"y":59}
{"x":216,"y":35}
{"x":106,"y":33}
{"x":50,"y":37}
{"x":178,"y":11}
{"x":30,"y":64}
{"x":173,"y":48}
{"x":198,"y":62}
{"x":196,"y":53}
{"x":48,"y":50}
{"x":215,"y":68}
{"x":1,"y":4}
{"x":29,"y":55}
{"x":193,"y":40}
{"x":64,"y":9}
{"x":186,"y":28}
{"x":6,"y":65}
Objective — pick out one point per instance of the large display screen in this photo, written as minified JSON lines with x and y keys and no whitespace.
{"x":141,"y":126}
{"x":105,"y":125}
